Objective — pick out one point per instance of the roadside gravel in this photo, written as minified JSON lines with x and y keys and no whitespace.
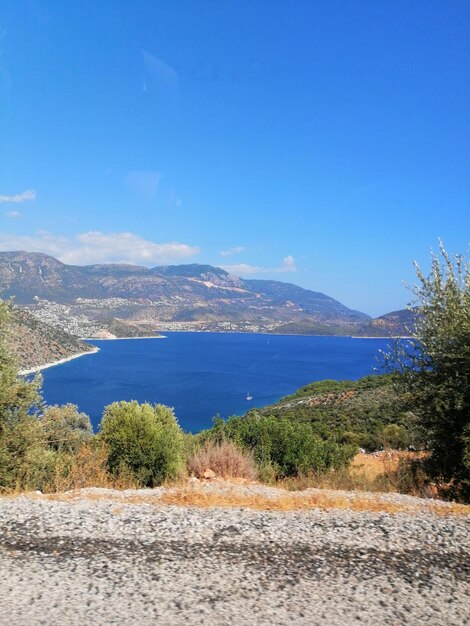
{"x":98,"y":558}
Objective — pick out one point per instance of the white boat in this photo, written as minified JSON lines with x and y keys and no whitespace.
{"x":248,"y":397}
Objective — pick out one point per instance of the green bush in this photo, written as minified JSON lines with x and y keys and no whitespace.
{"x":22,"y":447}
{"x":26,"y":462}
{"x":395,"y":436}
{"x":65,"y":428}
{"x":18,"y":396}
{"x":282,"y":447}
{"x":144,"y":440}
{"x":354,"y":412}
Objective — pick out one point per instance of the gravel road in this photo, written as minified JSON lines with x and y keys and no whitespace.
{"x":109,"y":561}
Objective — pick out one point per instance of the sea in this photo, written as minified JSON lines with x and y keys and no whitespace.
{"x":203,"y":375}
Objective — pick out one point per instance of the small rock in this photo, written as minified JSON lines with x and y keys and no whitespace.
{"x":208,"y":474}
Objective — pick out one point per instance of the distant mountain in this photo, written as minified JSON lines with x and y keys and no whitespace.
{"x":395,"y":324}
{"x":175,"y":297}
{"x":199,"y":272}
{"x":35,"y":343}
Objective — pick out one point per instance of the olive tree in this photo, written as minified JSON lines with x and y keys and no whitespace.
{"x":22,"y":449}
{"x":65,"y":428}
{"x":435,"y":367}
{"x":17,"y":395}
{"x":144,"y":440}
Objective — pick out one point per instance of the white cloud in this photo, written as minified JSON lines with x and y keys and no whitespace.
{"x":230,"y":251}
{"x":98,"y":247}
{"x":42,"y":241}
{"x":12,"y":214}
{"x":30,"y":194}
{"x":288,"y":265}
{"x":244,"y":269}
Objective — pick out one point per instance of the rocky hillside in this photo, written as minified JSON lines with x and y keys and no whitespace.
{"x":184,"y":297}
{"x":127,"y":300}
{"x":36,"y":343}
{"x":396,"y":324}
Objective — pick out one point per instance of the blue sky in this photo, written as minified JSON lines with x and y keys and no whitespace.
{"x":323,"y":143}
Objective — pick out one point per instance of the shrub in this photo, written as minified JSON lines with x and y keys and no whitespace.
{"x":143,"y":440}
{"x":65,"y":428}
{"x":395,"y":437}
{"x":225,"y":459}
{"x":18,"y":396}
{"x":85,"y":467}
{"x":22,"y":447}
{"x":281,"y":446}
{"x":351,"y":438}
{"x":353,"y":412}
{"x":409,"y":476}
{"x":25,"y":460}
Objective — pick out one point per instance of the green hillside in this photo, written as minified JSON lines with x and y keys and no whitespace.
{"x":368,"y":412}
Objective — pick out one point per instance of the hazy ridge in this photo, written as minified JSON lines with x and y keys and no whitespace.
{"x":127,"y":300}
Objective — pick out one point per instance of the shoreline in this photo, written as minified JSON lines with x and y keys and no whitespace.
{"x":244,"y":332}
{"x":270,"y":334}
{"x":38,"y":368}
{"x":121,"y":338}
{"x":391,"y":337}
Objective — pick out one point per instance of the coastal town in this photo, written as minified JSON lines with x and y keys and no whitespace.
{"x":73,"y":318}
{"x":66,"y":318}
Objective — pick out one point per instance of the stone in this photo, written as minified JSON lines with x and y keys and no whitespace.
{"x":209,"y":474}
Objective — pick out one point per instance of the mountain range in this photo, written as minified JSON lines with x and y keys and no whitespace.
{"x":127,"y":300}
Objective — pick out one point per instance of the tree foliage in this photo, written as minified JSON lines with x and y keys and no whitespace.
{"x":143,"y":439}
{"x":436,"y":366}
{"x":22,"y":451}
{"x":351,"y":411}
{"x":17,"y":395}
{"x":65,"y":428}
{"x":284,"y":446}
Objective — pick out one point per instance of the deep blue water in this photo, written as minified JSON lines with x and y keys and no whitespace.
{"x":204,"y":374}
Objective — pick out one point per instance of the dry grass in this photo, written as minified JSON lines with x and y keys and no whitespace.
{"x":368,"y":475}
{"x":86,"y":468}
{"x":373,"y":465}
{"x":287,"y":501}
{"x":292,"y":501}
{"x":384,"y":472}
{"x":225,"y":459}
{"x":228,"y":494}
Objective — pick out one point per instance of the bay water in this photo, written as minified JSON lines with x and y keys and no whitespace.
{"x":206,"y":374}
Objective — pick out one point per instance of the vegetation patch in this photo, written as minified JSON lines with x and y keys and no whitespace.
{"x":224,"y":460}
{"x":369,"y":413}
{"x":308,"y":439}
